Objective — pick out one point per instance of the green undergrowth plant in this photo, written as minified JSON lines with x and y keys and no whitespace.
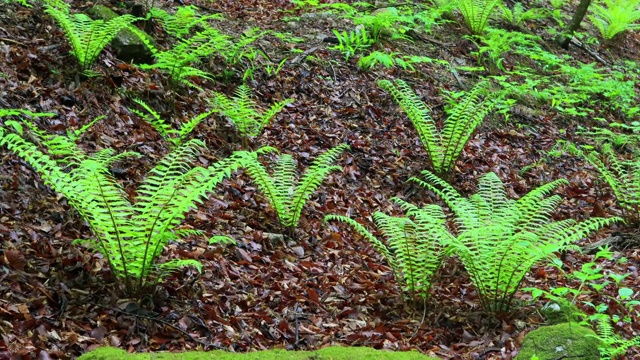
{"x":592,"y":281}
{"x":87,"y":37}
{"x":517,"y":15}
{"x":391,"y":21}
{"x":622,"y":136}
{"x":390,"y":60}
{"x":175,"y":136}
{"x":414,"y":249}
{"x":443,"y":146}
{"x":623,"y":176}
{"x":284,"y":191}
{"x":130,"y":235}
{"x":244,"y":112}
{"x":612,"y":17}
{"x":494,"y":43}
{"x":351,"y":42}
{"x":614,"y":346}
{"x":183,"y":20}
{"x":569,"y":87}
{"x":21,"y":2}
{"x":498,"y":239}
{"x":180,"y":60}
{"x":476,"y":13}
{"x":22,"y":112}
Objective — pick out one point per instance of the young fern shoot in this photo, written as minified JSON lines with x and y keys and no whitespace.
{"x":498,"y":239}
{"x":243,"y":112}
{"x":87,"y":37}
{"x":176,"y":137}
{"x":179,"y":61}
{"x":130,"y":236}
{"x":413,"y":249}
{"x":443,"y":146}
{"x":476,"y":13}
{"x":287,"y":195}
{"x":623,"y":176}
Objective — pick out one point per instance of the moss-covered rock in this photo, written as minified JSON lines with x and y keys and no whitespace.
{"x":329,"y":353}
{"x":568,"y":340}
{"x":560,"y":312}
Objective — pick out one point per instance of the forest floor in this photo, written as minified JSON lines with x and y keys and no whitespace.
{"x":58,"y":300}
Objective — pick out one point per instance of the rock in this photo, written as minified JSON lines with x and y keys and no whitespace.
{"x":566,"y":340}
{"x":128,"y":46}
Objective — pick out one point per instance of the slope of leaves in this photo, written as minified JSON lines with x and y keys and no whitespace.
{"x":331,"y":287}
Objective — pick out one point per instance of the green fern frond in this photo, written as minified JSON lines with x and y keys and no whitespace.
{"x":286,"y":195}
{"x":360,"y":229}
{"x":623,"y":176}
{"x":443,"y":147}
{"x":615,"y":17}
{"x":178,"y":61}
{"x":181,"y":23}
{"x":176,"y":137}
{"x":476,"y":13}
{"x":153,"y":118}
{"x":129,"y":236}
{"x":243,"y":111}
{"x":614,"y":345}
{"x":414,"y":251}
{"x":499,"y":239}
{"x":87,"y":37}
{"x":311,"y":180}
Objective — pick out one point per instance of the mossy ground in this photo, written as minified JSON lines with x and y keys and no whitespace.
{"x":328,"y":353}
{"x":566,"y":340}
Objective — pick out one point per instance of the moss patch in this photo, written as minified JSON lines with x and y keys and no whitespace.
{"x":329,"y":353}
{"x":568,"y":340}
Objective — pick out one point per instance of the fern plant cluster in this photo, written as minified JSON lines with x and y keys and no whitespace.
{"x":443,"y":146}
{"x":592,"y":280}
{"x":623,"y":176}
{"x":87,"y":37}
{"x":244,"y":113}
{"x":612,"y":17}
{"x":130,"y":235}
{"x":497,"y":239}
{"x":476,"y":13}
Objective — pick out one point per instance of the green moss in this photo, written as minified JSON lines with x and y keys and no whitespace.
{"x":560,"y":312}
{"x":329,"y":353}
{"x":568,"y":340}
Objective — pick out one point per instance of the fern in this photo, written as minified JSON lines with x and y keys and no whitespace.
{"x":518,"y":15}
{"x":243,"y":111}
{"x":392,"y":59}
{"x":390,"y":20}
{"x":614,"y":346}
{"x":176,"y":137}
{"x":498,"y":239}
{"x":615,"y":17}
{"x":476,"y":13}
{"x":623,"y":176}
{"x":181,"y":23}
{"x":87,"y":37}
{"x":287,"y":195}
{"x":349,"y":43}
{"x":178,"y":61}
{"x":443,"y":147}
{"x":129,"y":235}
{"x":414,"y":250}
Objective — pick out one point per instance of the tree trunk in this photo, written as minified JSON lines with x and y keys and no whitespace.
{"x":565,"y":37}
